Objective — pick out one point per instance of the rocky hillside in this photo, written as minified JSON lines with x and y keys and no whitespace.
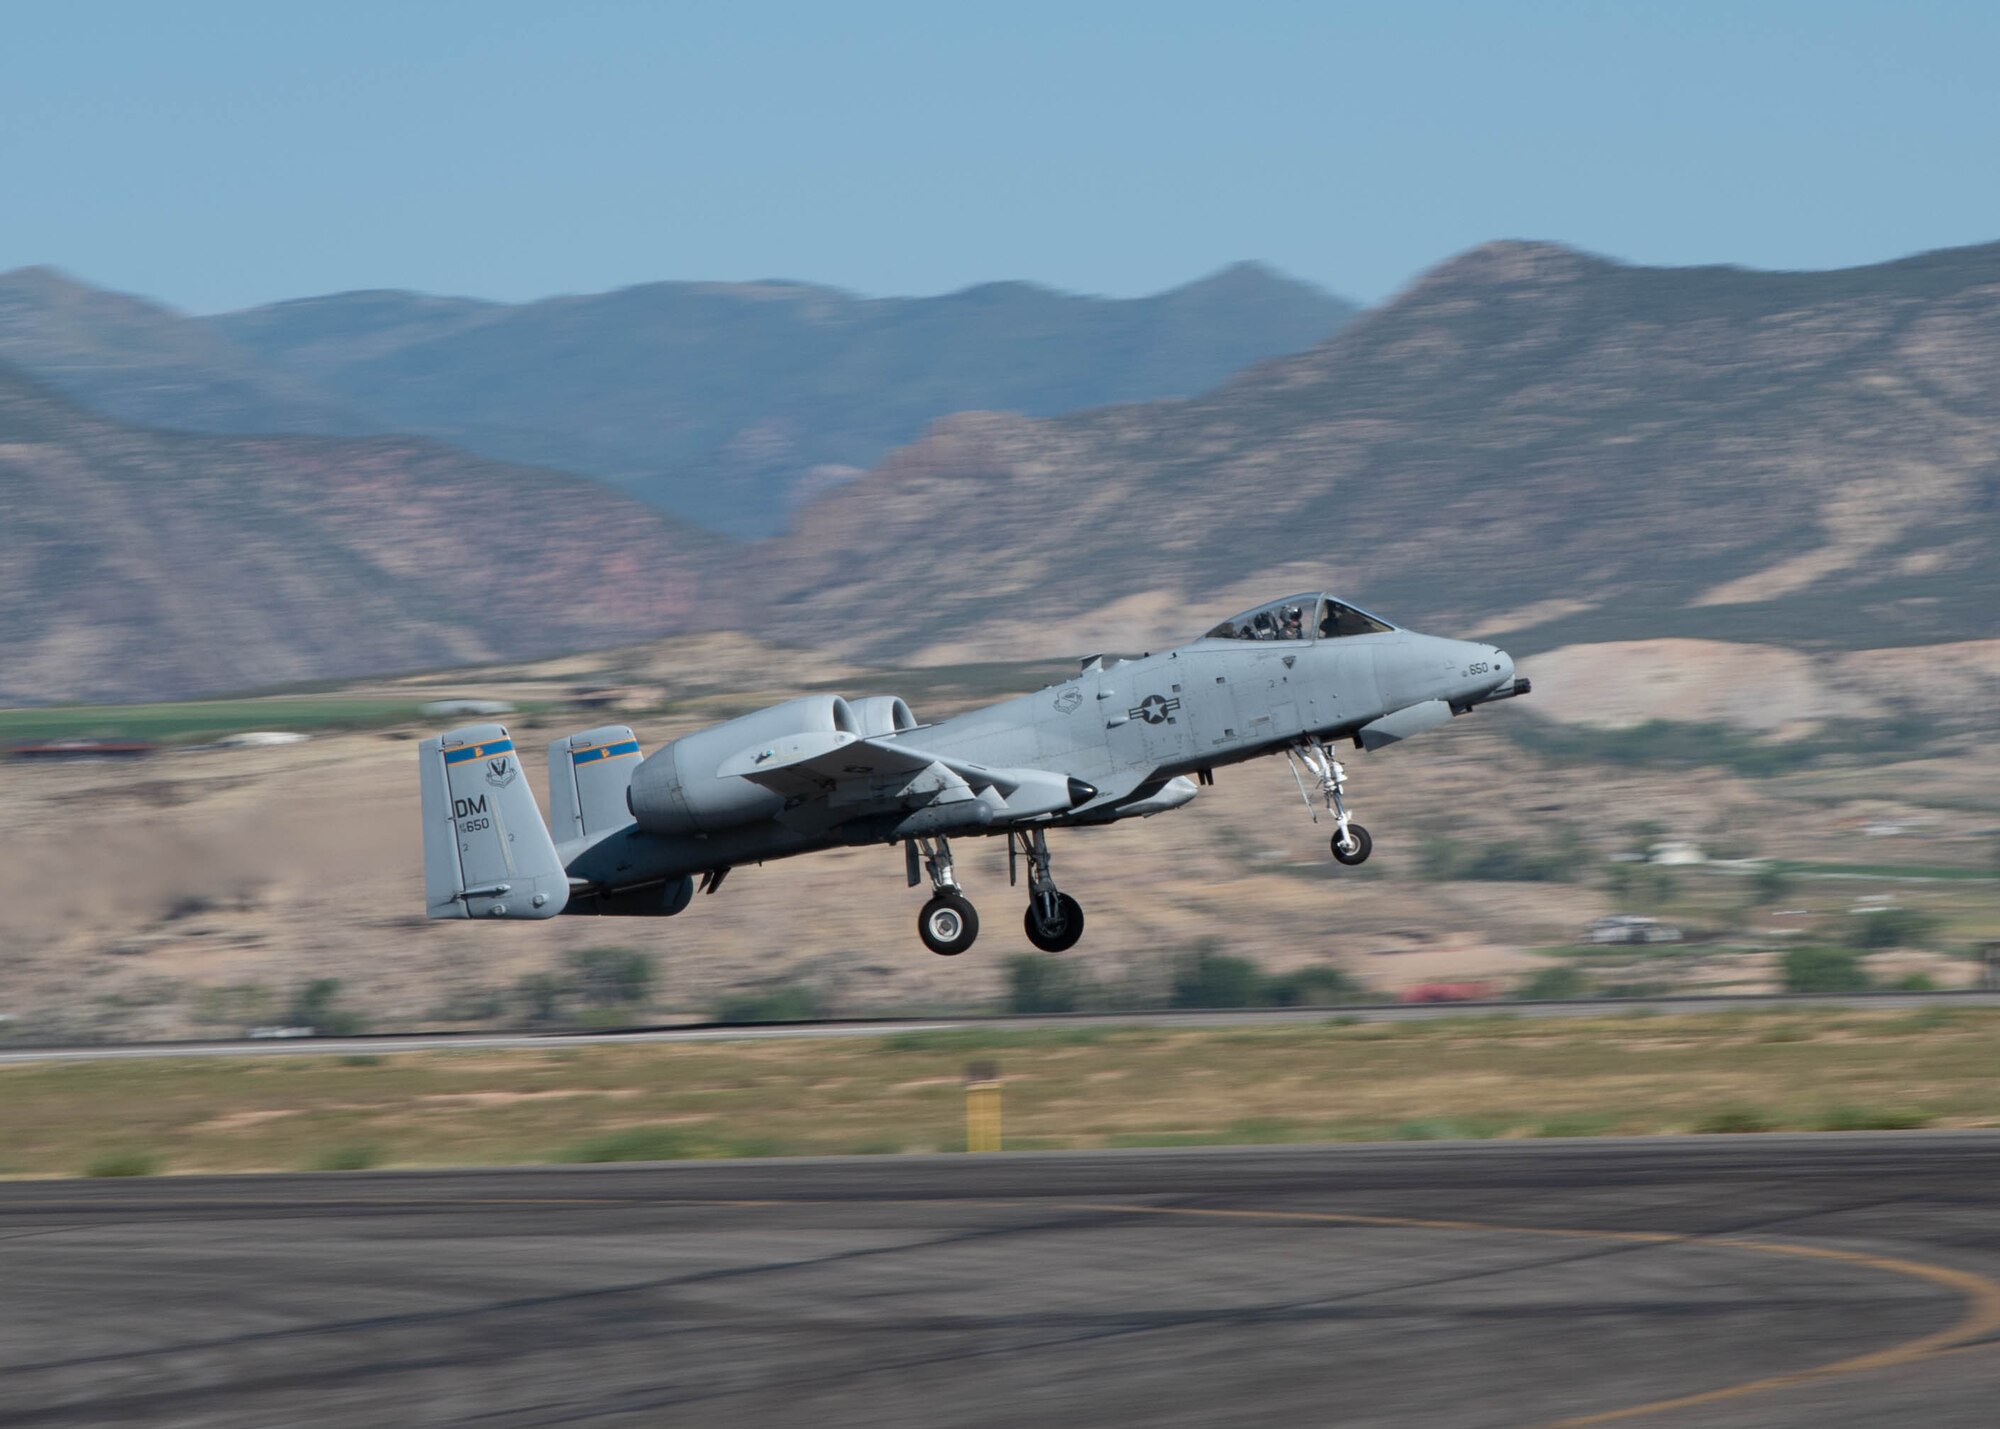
{"x":1530,"y":442}
{"x":143,"y":564}
{"x":728,"y":403}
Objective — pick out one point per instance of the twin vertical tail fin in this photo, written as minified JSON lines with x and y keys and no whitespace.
{"x":487,"y":853}
{"x":588,"y":776}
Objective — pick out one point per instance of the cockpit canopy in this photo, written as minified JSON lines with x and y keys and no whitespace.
{"x":1300,"y":617}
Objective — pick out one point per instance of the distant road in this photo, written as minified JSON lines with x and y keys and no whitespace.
{"x":1236,"y":1017}
{"x":1739,"y":1282}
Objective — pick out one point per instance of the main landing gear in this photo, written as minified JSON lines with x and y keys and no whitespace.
{"x":1351,"y":843}
{"x":948,"y":923}
{"x":1054,"y":920}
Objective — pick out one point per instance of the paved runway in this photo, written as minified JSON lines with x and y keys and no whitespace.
{"x":1740,"y":1281}
{"x":1231,"y":1017}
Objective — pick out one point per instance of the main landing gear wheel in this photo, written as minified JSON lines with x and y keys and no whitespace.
{"x":948,"y":925}
{"x":1060,"y":934}
{"x":1358,"y":848}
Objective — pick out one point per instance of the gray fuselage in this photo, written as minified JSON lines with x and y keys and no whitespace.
{"x":1126,"y":728}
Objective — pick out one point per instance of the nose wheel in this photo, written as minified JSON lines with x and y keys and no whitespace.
{"x":1351,"y":843}
{"x":948,"y":923}
{"x":1356,"y":849}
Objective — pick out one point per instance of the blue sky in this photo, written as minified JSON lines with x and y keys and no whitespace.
{"x":217,"y":155}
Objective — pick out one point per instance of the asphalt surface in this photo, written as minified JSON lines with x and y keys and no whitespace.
{"x":1740,"y":1281}
{"x":1233,"y":1017}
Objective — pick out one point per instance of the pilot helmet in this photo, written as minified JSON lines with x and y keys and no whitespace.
{"x":1292,"y":613}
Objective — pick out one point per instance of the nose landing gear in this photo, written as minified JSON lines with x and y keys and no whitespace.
{"x":1351,"y":843}
{"x":1054,"y":920}
{"x":948,"y":923}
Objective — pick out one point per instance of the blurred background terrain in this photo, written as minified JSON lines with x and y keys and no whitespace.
{"x":335,"y":394}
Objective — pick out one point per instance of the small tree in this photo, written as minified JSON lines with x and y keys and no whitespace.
{"x":1824,"y":970}
{"x":611,"y":977}
{"x":1772,"y":883}
{"x":1037,"y":982}
{"x":313,"y":1005}
{"x":1889,"y":928}
{"x":1554,"y":984}
{"x":1321,"y":986}
{"x":539,"y":996}
{"x":1208,"y":978}
{"x":794,"y":1003}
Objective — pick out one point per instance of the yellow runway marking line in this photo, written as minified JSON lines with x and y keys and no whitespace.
{"x":1981,"y":1294}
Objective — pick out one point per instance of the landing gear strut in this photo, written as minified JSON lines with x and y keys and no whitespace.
{"x":1351,"y":844}
{"x":948,"y":923}
{"x":1054,"y":920}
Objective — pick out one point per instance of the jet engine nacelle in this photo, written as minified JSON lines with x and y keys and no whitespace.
{"x":675,"y":790}
{"x":883,"y":714}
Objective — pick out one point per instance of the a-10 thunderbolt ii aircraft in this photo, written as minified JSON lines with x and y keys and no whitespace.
{"x":1121,"y":739}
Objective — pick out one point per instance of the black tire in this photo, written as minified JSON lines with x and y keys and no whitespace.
{"x":948,"y":925}
{"x":1068,"y":926}
{"x":1363,"y":846}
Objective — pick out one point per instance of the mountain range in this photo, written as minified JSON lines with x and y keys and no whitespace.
{"x":725,"y":404}
{"x":139,"y":563}
{"x":1530,"y":442}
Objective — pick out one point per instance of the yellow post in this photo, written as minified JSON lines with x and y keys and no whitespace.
{"x":982,"y":1107}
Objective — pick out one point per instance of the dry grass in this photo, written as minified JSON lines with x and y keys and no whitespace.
{"x":1490,"y":1076}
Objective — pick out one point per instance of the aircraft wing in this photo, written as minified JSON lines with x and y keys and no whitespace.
{"x":859,"y":772}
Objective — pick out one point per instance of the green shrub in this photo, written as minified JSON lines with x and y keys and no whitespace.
{"x":1664,"y":744}
{"x":347,"y":1158}
{"x":1773,"y":883}
{"x":124,"y":1163}
{"x":1322,"y":985}
{"x":1502,"y":861}
{"x":1037,"y":982}
{"x":1889,"y":928}
{"x":1440,"y":1128}
{"x":1824,"y":970}
{"x":539,"y":997}
{"x":1207,"y":978}
{"x":1850,"y":1118}
{"x":1735,"y":1119}
{"x":611,"y":977}
{"x":793,"y":1003}
{"x":1634,"y":989}
{"x":1554,"y":984}
{"x":315,"y":1005}
{"x":1567,"y":1124}
{"x":667,"y":1143}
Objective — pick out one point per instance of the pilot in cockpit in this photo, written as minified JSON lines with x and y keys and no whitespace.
{"x":1294,"y":624}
